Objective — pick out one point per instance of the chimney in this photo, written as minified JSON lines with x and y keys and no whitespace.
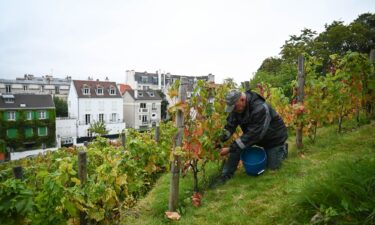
{"x":159,"y":79}
{"x":135,"y":93}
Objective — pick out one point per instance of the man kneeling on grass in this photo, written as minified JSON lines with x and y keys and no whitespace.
{"x":261,"y":126}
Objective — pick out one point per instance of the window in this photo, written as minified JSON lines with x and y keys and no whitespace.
{"x":101,"y":117}
{"x":29,"y":132}
{"x":12,"y":116}
{"x":99,"y":91}
{"x":142,"y":105}
{"x":12,"y":133}
{"x":86,"y":90}
{"x":42,"y":131}
{"x":42,"y":88}
{"x":8,"y":88}
{"x":25,"y":87}
{"x":144,"y":79}
{"x":29,"y":115}
{"x":155,"y":80}
{"x":89,"y":133}
{"x":154,"y":106}
{"x":57,"y":90}
{"x":112,"y":91}
{"x":42,"y":115}
{"x":87,"y":118}
{"x":144,"y":119}
{"x":151,"y":94}
{"x":140,"y":94}
{"x":9,"y":100}
{"x":114,"y":117}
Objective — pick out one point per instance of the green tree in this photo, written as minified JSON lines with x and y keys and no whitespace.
{"x":61,"y":107}
{"x":98,"y":128}
{"x":297,"y":45}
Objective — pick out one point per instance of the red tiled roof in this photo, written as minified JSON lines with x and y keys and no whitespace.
{"x":93,"y":85}
{"x":124,"y":88}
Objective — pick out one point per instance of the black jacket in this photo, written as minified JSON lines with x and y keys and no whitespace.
{"x":260,"y":124}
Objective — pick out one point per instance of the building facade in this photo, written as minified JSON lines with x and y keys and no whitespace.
{"x":160,"y":81}
{"x":27,"y":121}
{"x":91,"y":101}
{"x":142,"y":108}
{"x":37,"y":85}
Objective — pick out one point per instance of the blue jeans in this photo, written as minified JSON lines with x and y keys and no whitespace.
{"x":275,"y":156}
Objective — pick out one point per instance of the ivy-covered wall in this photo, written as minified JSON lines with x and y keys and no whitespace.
{"x":23,"y":136}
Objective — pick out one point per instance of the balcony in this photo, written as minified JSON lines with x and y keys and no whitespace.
{"x":143,"y":110}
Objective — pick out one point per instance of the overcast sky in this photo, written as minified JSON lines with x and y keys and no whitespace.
{"x":183,"y":37}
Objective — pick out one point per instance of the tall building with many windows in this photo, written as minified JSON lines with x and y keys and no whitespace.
{"x":48,"y":84}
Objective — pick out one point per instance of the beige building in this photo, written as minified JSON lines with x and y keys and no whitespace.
{"x":142,"y":108}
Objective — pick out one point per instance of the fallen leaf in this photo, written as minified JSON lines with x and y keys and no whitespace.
{"x":196,"y":199}
{"x":173,"y":215}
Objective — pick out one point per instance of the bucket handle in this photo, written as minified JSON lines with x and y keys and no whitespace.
{"x":260,"y":172}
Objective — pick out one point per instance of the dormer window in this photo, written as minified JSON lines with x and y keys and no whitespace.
{"x":86,"y":90}
{"x":140,"y":94}
{"x":151,"y":94}
{"x":112,"y":91}
{"x":9,"y":100}
{"x":99,"y":90}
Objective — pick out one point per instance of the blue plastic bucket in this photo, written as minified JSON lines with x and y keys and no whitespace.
{"x":254,"y":160}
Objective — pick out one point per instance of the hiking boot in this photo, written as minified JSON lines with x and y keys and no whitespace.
{"x":220,"y":181}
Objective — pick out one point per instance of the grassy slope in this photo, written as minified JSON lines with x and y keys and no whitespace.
{"x":267,"y":199}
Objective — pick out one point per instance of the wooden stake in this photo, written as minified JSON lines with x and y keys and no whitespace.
{"x":300,"y":96}
{"x":82,"y":174}
{"x":175,"y":167}
{"x":157,"y":134}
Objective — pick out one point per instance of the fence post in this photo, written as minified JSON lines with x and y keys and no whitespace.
{"x":17,"y":172}
{"x":300,"y":96}
{"x":157,"y":133}
{"x":123,"y":139}
{"x":175,"y":167}
{"x":82,"y":174}
{"x":369,"y":104}
{"x":372,"y":56}
{"x":246,"y":85}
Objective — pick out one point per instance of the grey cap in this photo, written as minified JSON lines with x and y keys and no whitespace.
{"x":231,"y":99}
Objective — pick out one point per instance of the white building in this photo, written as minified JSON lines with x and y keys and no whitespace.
{"x":142,"y":108}
{"x":48,"y":84}
{"x":90,"y":101}
{"x":160,"y":81}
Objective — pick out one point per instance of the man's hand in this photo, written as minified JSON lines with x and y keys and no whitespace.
{"x":224,"y":151}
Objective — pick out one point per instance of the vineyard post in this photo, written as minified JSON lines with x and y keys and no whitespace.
{"x":175,"y":167}
{"x":300,"y":96}
{"x":246,"y":85}
{"x":369,"y":105}
{"x":123,"y":139}
{"x":17,"y":172}
{"x":157,"y":133}
{"x":82,"y":174}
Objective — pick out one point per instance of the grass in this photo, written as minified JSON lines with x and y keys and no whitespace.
{"x":286,"y":196}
